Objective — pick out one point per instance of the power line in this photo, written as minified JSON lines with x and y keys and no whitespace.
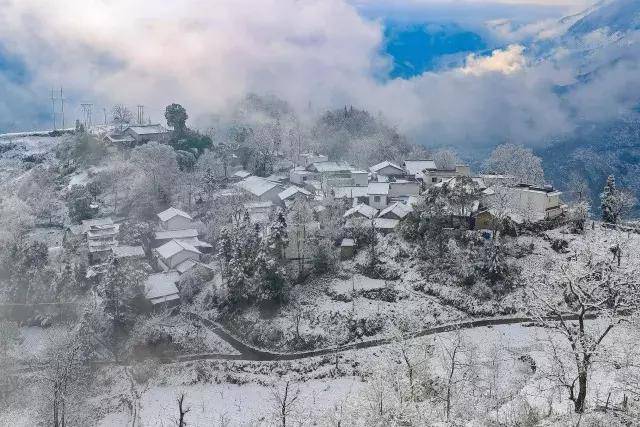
{"x":62,"y":106}
{"x":53,"y":108}
{"x":140,"y":114}
{"x":87,"y":109}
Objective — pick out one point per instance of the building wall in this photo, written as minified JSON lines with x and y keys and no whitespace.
{"x":180,"y":257}
{"x":399,"y":189}
{"x":298,"y":178}
{"x":390,"y":171}
{"x":272,"y":196}
{"x":380,"y":204}
{"x":360,"y":179}
{"x":177,"y":223}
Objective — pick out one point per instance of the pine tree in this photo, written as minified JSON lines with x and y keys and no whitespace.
{"x":610,"y":201}
{"x":278,"y":238}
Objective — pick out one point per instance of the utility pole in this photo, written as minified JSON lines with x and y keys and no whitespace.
{"x":105,"y":116}
{"x":62,"y":106}
{"x":53,"y":108}
{"x":141,"y":114}
{"x":87,"y":109}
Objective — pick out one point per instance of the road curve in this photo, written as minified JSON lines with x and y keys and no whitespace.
{"x":248,"y":353}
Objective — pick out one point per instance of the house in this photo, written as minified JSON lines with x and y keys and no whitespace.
{"x":354,"y":195}
{"x":309,"y":158}
{"x":346,"y":249}
{"x":361,"y":211}
{"x":332,"y":174}
{"x":434,"y":176}
{"x":161,"y":290}
{"x":262,"y":189}
{"x":360,"y":178}
{"x":415,"y":167}
{"x":171,"y":254}
{"x":387,"y":169}
{"x":529,"y":202}
{"x":175,"y":219}
{"x":240,"y":175}
{"x":403,"y":188}
{"x":162,"y":237}
{"x":88,"y":223}
{"x":294,"y":193}
{"x":396,"y":211}
{"x":259,"y":212}
{"x":128,"y":252}
{"x":145,"y":133}
{"x":385,"y":225}
{"x":378,"y":193}
{"x":121,"y":140}
{"x":299,"y":175}
{"x":101,"y":241}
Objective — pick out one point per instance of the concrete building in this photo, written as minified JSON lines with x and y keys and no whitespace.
{"x":416,"y":166}
{"x":434,"y":176}
{"x":387,"y":169}
{"x":378,"y":193}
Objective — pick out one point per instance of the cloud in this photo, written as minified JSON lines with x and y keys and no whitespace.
{"x":504,"y":61}
{"x":312,"y":53}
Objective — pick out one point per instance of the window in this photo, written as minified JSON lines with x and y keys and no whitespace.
{"x":304,"y":178}
{"x":376,"y":199}
{"x":434,"y":179}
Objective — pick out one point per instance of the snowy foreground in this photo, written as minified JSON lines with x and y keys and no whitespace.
{"x":494,"y":382}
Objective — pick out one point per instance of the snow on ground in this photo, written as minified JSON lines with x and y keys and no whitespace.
{"x":195,"y":338}
{"x":35,"y":340}
{"x":248,"y":404}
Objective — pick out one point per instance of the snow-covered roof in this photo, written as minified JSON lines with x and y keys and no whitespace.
{"x":128,"y":252}
{"x":258,"y":205}
{"x":185,"y":266}
{"x":147,"y":129}
{"x":292,"y":191}
{"x":378,"y":188}
{"x":88,"y":223}
{"x":349,"y":192}
{"x":331,"y":167}
{"x":399,"y":209}
{"x":362,"y":209}
{"x":120,"y":139}
{"x":416,"y":166}
{"x":347,"y":243}
{"x":174,"y":247}
{"x":385,"y":223}
{"x":385,"y":164}
{"x":256,"y":185}
{"x":172,"y":212}
{"x":176,"y":234}
{"x":241,"y":174}
{"x":195,"y":242}
{"x":161,"y":287}
{"x":96,"y":232}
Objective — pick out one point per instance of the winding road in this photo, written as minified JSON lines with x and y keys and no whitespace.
{"x":248,"y":353}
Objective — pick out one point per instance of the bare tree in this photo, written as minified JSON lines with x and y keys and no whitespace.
{"x":285,"y":399}
{"x":182,"y":411}
{"x":445,"y":159}
{"x":591,"y":290}
{"x":456,"y":359}
{"x":518,"y":162}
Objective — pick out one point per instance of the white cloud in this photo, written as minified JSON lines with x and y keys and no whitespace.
{"x":505,"y":61}
{"x":321,"y":53}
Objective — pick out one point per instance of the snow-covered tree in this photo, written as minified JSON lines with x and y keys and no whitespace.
{"x":615,"y":202}
{"x":121,"y":116}
{"x":445,"y":159}
{"x":518,"y":162}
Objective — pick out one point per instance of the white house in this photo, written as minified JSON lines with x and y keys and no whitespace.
{"x":528,"y":202}
{"x":161,"y":290}
{"x":403,"y":188}
{"x":261,"y":189}
{"x":434,"y":176}
{"x":172,"y":253}
{"x":378,"y":193}
{"x":416,"y":166}
{"x":299,"y":175}
{"x":387,"y":169}
{"x":175,"y":219}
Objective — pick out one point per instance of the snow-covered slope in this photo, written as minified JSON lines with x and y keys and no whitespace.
{"x":613,"y":16}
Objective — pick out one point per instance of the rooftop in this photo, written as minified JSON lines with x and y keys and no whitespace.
{"x":174,"y":247}
{"x":362,"y":209}
{"x":147,"y":129}
{"x":128,"y":252}
{"x":161,"y":285}
{"x":399,"y":209}
{"x":292,"y":191}
{"x":256,"y":185}
{"x":378,"y":188}
{"x":171,"y":213}
{"x":331,"y":167}
{"x":349,"y":192}
{"x":176,"y":234}
{"x":418,"y":165}
{"x":385,"y":164}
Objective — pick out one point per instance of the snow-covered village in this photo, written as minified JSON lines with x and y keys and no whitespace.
{"x":429,"y":220}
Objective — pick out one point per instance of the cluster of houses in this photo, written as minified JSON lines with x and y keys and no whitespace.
{"x":388,"y":192}
{"x":174,"y":250}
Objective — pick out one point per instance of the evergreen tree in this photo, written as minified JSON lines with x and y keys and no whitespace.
{"x":610,"y":200}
